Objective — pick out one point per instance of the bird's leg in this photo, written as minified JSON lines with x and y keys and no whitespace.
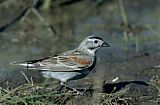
{"x":74,"y":89}
{"x":77,"y":91}
{"x":61,"y":87}
{"x":64,"y":85}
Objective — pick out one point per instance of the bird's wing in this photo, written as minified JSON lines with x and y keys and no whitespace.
{"x":69,"y":62}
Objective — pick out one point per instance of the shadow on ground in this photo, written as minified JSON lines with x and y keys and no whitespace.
{"x":114,"y":87}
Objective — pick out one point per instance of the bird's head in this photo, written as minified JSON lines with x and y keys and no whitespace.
{"x":93,"y":43}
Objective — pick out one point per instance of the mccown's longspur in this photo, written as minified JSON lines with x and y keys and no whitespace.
{"x":70,"y":65}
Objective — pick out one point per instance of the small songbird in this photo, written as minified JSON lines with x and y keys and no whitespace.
{"x":70,"y":65}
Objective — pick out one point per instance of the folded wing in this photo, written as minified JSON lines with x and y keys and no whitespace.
{"x":59,"y":63}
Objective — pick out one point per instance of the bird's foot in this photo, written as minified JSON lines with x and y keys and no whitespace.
{"x":70,"y":88}
{"x":77,"y":91}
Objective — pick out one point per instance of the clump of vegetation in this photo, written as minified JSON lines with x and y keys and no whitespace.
{"x":22,"y":96}
{"x":112,"y":98}
{"x":32,"y":94}
{"x":41,"y":94}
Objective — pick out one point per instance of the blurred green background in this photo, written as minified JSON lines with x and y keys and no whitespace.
{"x":33,"y":29}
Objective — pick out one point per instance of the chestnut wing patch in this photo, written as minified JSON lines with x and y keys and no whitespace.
{"x":80,"y":61}
{"x":76,"y":61}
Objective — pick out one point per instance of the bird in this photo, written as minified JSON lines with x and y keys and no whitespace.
{"x":70,"y":65}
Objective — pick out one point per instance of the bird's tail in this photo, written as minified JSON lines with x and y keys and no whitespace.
{"x":29,"y":64}
{"x":25,"y":64}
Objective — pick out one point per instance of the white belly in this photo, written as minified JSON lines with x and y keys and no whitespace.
{"x":62,"y":76}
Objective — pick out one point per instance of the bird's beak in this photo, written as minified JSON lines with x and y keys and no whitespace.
{"x":104,"y":44}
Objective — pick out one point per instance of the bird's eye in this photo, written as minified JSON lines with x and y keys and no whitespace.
{"x":96,"y":41}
